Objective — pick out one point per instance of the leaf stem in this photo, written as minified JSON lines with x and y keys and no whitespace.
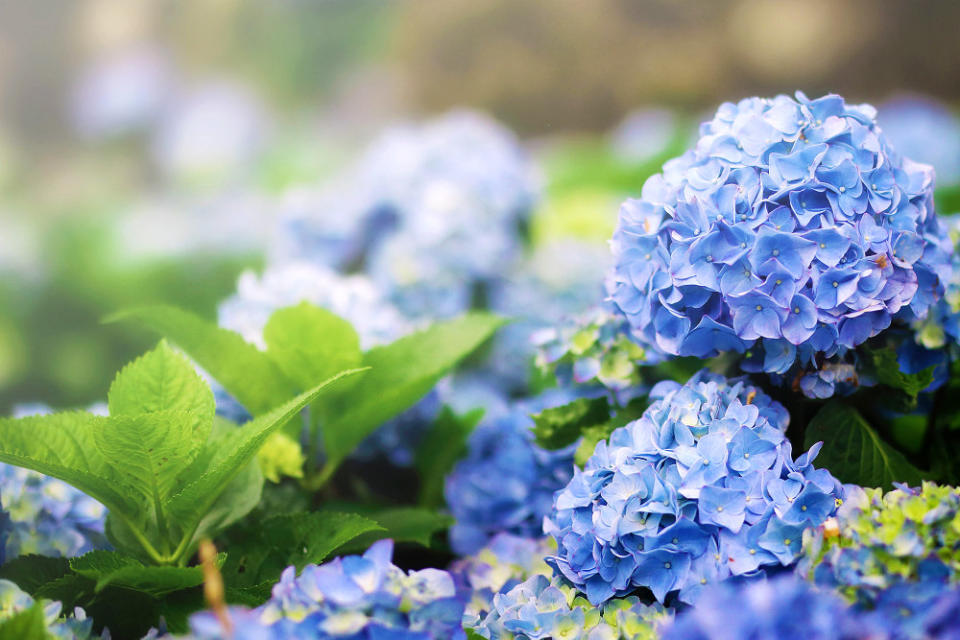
{"x":316,"y":481}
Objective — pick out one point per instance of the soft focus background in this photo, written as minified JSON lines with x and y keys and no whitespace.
{"x":146,"y":147}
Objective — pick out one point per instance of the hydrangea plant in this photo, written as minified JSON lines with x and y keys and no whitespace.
{"x":879,"y":540}
{"x":791,"y":233}
{"x":703,"y":486}
{"x":14,"y":601}
{"x":541,"y":608}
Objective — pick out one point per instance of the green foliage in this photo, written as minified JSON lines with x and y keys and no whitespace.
{"x":29,"y":624}
{"x":401,"y":524}
{"x":160,"y":471}
{"x":401,"y":373}
{"x":562,"y":426}
{"x":247,"y":373}
{"x":445,"y":443}
{"x":902,"y":389}
{"x":255,"y":563}
{"x":109,"y":568}
{"x":854,"y":452}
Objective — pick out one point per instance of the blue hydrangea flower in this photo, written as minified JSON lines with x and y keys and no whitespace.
{"x":942,"y":324}
{"x":367,"y":597}
{"x":505,"y":562}
{"x":14,"y":600}
{"x":785,"y":608}
{"x":506,"y":482}
{"x":925,"y":130}
{"x":352,"y":297}
{"x":703,"y":486}
{"x":47,"y":516}
{"x":542,"y":608}
{"x":791,"y":233}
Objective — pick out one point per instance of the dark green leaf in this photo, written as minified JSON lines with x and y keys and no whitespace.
{"x":442,"y":446}
{"x":401,"y":524}
{"x":561,"y":426}
{"x":854,"y":452}
{"x":109,"y":568}
{"x":401,"y":374}
{"x":31,"y":572}
{"x":245,"y":371}
{"x":882,"y":365}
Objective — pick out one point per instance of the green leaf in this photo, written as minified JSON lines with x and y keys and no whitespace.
{"x":294,"y":539}
{"x":561,"y":426}
{"x":29,"y":624}
{"x":442,"y":446}
{"x":473,"y":635}
{"x":163,"y":380}
{"x":401,"y":373}
{"x":109,"y":568}
{"x":882,"y":365}
{"x":854,"y":452}
{"x":31,"y":572}
{"x":401,"y":524}
{"x":245,"y":371}
{"x":591,"y":436}
{"x":311,"y":344}
{"x":62,"y":445}
{"x":227,"y":453}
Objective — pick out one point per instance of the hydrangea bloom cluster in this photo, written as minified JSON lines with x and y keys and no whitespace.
{"x":504,"y":563}
{"x":541,"y":608}
{"x":942,"y":324}
{"x":701,"y":487}
{"x":792,"y":231}
{"x":506,"y":482}
{"x":47,"y":516}
{"x":352,"y":297}
{"x":365,"y":598}
{"x":14,"y":600}
{"x":879,"y":540}
{"x":435,"y":213}
{"x":785,"y":608}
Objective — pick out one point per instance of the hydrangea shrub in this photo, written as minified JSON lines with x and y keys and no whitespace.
{"x":792,"y":232}
{"x":702,"y":487}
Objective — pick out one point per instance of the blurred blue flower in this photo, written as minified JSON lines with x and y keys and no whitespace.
{"x":703,"y":486}
{"x":791,"y":233}
{"x":541,"y":608}
{"x":44,"y":515}
{"x":506,"y":482}
{"x":926,"y":131}
{"x":14,"y":600}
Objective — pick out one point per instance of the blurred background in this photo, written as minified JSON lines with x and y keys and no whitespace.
{"x":147,"y":147}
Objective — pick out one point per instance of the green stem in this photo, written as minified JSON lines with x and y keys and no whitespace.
{"x":316,"y":481}
{"x":149,"y":548}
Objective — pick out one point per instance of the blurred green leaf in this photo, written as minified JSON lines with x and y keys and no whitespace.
{"x":442,"y":446}
{"x":560,"y":427}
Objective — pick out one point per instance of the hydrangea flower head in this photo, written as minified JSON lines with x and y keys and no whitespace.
{"x":506,"y":481}
{"x":367,"y":598}
{"x":942,"y":324}
{"x":14,"y":600}
{"x":504,"y":563}
{"x":542,"y":608}
{"x":792,"y":231}
{"x":703,"y":486}
{"x":785,"y":608}
{"x":879,"y":540}
{"x":47,"y":516}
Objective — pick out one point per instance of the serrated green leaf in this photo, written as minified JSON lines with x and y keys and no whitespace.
{"x":29,"y":624}
{"x":30,"y":572}
{"x":854,"y":452}
{"x":442,"y":446}
{"x":294,"y":539}
{"x":560,"y":427}
{"x":149,"y":451}
{"x":62,"y":445}
{"x":401,"y":373}
{"x":401,"y":524}
{"x":163,"y":380}
{"x":310,"y":344}
{"x":230,"y":451}
{"x":239,"y":498}
{"x":109,"y":568}
{"x":245,"y":371}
